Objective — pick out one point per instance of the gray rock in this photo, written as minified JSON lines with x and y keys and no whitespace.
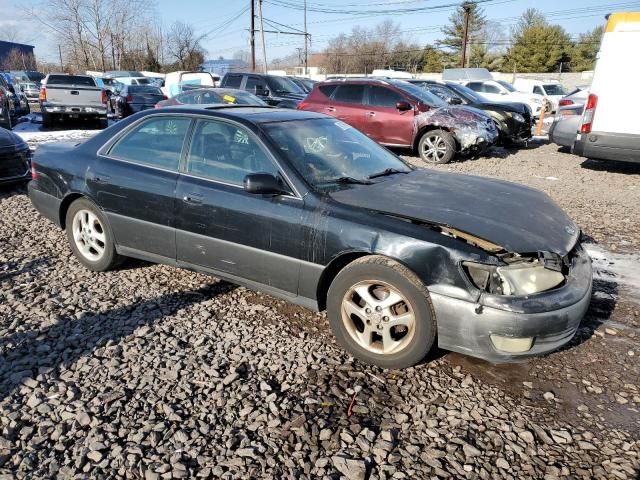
{"x":351,"y":468}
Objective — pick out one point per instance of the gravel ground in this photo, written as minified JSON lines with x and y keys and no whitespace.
{"x":153,"y":372}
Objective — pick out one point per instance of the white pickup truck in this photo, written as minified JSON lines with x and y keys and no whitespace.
{"x":65,"y":96}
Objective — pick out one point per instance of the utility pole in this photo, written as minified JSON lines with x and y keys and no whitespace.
{"x":264,"y":48}
{"x":60,"y":53}
{"x":252,"y":35}
{"x":306,"y":37}
{"x":465,"y":35}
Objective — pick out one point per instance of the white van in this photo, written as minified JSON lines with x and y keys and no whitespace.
{"x":609,"y":129}
{"x":551,"y":91}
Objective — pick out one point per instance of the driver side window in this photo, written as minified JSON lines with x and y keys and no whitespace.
{"x":226,"y":153}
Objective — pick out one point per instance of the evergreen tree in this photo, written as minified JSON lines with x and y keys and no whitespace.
{"x":585,"y":50}
{"x":432,"y":60}
{"x":454,"y":31}
{"x":537,"y":46}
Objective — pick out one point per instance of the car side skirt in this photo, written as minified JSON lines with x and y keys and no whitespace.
{"x":305,"y":302}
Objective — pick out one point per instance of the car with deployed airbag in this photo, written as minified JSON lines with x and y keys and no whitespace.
{"x":303,"y":206}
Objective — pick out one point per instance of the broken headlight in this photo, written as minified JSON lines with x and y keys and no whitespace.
{"x":523,"y":278}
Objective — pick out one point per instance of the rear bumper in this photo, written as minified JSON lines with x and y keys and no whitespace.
{"x":75,"y":110}
{"x":47,"y":205}
{"x":622,"y":147}
{"x":548,"y":319}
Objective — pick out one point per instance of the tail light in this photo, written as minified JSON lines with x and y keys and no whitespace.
{"x":34,"y":174}
{"x":43,"y":94}
{"x":164,"y":97}
{"x":303,"y":105}
{"x":129,"y":99}
{"x":589,"y":112}
{"x":564,"y":102}
{"x":104,"y":97}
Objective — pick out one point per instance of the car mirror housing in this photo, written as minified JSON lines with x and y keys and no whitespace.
{"x":455,"y":101}
{"x":403,"y":106}
{"x":263,"y":184}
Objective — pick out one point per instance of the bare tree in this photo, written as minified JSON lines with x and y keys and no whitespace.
{"x":18,"y":60}
{"x":184,"y":46}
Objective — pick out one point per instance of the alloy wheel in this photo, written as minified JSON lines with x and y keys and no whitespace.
{"x":89,"y":235}
{"x":434,"y":148}
{"x":378,"y":317}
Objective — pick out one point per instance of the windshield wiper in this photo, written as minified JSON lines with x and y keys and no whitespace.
{"x":343,"y":180}
{"x":386,"y":172}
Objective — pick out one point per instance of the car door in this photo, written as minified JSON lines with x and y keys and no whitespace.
{"x":134,"y":181}
{"x":222,"y":227}
{"x":348,"y":105}
{"x":383,"y":121}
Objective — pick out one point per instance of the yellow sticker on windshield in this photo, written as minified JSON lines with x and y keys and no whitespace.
{"x":229,"y":98}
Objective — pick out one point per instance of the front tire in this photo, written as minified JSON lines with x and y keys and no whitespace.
{"x":90,"y":236}
{"x":437,"y":146}
{"x":380,"y":312}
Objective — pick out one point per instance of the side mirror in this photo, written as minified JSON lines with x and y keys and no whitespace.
{"x":263,"y":183}
{"x":403,"y":106}
{"x":454,"y":101}
{"x":504,"y":92}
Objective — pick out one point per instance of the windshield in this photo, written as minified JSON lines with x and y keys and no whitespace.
{"x":283,"y":85}
{"x":421,"y":94}
{"x":554,"y":89}
{"x":239,"y":97}
{"x":325,"y":151}
{"x":507,"y":85}
{"x":466,"y":92}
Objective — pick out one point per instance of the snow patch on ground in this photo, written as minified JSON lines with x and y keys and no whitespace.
{"x":621,"y":268}
{"x":29,"y":129}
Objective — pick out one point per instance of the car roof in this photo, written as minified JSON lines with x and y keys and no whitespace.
{"x":253,"y":114}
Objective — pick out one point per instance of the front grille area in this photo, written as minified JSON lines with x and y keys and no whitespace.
{"x":15,"y":164}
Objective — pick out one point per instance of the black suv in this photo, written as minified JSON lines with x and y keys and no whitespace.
{"x":273,"y":89}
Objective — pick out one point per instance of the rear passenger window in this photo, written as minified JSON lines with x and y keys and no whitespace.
{"x":327,"y":90}
{"x":156,"y":142}
{"x":384,"y":97}
{"x":488,"y":88}
{"x":226,"y":153}
{"x":475,"y":86}
{"x":349,"y":94}
{"x":233,"y":81}
{"x":538,"y":90}
{"x":252,"y":83}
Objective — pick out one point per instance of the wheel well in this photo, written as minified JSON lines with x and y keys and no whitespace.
{"x":427,"y":128}
{"x":64,"y":206}
{"x":329,"y":273}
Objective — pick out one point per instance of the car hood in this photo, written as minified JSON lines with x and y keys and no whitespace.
{"x":516,"y":107}
{"x":517,"y":218}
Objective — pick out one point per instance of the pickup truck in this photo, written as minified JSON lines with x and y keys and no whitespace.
{"x":65,"y":96}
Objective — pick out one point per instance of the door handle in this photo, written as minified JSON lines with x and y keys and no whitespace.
{"x":193,"y":198}
{"x":371,"y":114}
{"x":331,"y":109}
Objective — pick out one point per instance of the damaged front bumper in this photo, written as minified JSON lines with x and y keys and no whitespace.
{"x":502,"y":328}
{"x":476,"y":138}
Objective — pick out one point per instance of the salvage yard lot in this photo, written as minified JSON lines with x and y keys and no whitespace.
{"x":154,"y":372}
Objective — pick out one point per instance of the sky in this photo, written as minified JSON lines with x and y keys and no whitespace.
{"x":226,"y":23}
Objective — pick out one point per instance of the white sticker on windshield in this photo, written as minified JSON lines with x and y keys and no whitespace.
{"x":342,"y":125}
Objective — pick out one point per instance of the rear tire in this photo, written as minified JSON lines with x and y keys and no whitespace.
{"x":380,"y":312}
{"x":437,"y":146}
{"x":90,"y":236}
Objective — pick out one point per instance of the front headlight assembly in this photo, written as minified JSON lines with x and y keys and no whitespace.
{"x":523,"y":278}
